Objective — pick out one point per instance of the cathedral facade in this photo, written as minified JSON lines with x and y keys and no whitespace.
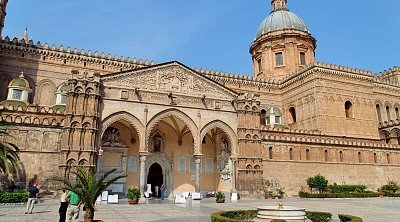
{"x":197,"y":129}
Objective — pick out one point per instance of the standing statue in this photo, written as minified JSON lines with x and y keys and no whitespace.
{"x":223,"y":161}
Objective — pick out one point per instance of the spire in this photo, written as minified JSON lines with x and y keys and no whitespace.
{"x":25,"y":36}
{"x":278,"y":5}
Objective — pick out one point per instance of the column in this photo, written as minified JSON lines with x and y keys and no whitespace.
{"x":233,"y":175}
{"x":197,"y":160}
{"x":142,"y":171}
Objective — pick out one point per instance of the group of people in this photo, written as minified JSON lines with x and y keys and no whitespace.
{"x":69,"y":208}
{"x":162,"y":191}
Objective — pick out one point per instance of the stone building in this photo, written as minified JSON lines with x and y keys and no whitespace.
{"x":197,"y":129}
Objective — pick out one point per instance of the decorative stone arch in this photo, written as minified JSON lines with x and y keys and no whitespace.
{"x":167,"y":166}
{"x":232,"y":138}
{"x":46,"y":86}
{"x":180,"y":115}
{"x":131,"y":119}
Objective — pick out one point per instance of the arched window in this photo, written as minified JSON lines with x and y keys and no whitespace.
{"x":397,"y":113}
{"x":262,"y":117}
{"x":326,"y":155}
{"x":341,"y":156}
{"x":308,"y":154}
{"x":388,"y":158}
{"x":359,"y":157}
{"x":291,"y":153}
{"x":375,"y":158}
{"x":270,"y":153}
{"x":292,"y":113}
{"x":388,"y":113}
{"x":378,"y":113}
{"x":348,"y":107}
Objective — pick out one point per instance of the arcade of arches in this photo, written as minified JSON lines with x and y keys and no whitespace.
{"x":170,"y":155}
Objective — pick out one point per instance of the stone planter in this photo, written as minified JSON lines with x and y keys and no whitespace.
{"x":133,"y":201}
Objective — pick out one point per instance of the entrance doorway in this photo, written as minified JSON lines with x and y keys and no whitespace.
{"x":155,"y":178}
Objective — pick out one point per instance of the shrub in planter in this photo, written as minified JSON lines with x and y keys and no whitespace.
{"x":220,"y":197}
{"x":133,"y":194}
{"x":318,"y":182}
{"x":318,"y":216}
{"x":349,"y":218}
{"x":14,"y":197}
{"x":234,"y":216}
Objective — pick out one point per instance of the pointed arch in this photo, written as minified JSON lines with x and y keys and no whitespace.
{"x":181,"y":116}
{"x":125,"y":116}
{"x":46,"y":90}
{"x":232,"y":137}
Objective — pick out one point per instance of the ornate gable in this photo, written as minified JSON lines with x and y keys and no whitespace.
{"x":170,"y":77}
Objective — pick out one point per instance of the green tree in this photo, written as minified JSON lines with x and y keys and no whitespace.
{"x":318,"y":182}
{"x":9,"y":158}
{"x":88,"y":187}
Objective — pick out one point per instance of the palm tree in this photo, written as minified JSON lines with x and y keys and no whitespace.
{"x":9,"y":159}
{"x":88,"y":187}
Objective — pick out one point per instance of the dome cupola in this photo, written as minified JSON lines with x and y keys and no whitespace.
{"x":19,"y":89}
{"x":283,"y":43}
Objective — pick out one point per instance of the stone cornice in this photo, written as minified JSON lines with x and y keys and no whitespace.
{"x":79,"y":56}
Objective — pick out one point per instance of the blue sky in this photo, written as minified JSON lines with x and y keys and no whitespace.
{"x":214,"y":34}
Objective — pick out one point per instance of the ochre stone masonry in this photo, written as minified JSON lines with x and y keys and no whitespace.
{"x":198,"y":129}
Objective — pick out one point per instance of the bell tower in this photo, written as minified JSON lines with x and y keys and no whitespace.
{"x":283,"y":43}
{"x":3,"y":13}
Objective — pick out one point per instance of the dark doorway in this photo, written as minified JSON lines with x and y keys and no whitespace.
{"x":155,"y":178}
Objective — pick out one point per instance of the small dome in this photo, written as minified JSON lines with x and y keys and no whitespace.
{"x":20,"y":82}
{"x":281,"y":20}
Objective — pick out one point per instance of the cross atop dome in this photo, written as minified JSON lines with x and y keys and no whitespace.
{"x":278,"y":5}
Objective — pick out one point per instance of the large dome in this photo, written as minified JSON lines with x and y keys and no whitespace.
{"x":280,"y":20}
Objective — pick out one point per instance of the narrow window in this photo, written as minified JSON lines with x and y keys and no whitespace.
{"x":302,"y":58}
{"x":308,"y":154}
{"x":292,"y":112}
{"x":277,"y":119}
{"x":268,"y":119}
{"x":388,"y":113}
{"x":341,"y":156}
{"x":348,"y":107}
{"x":375,"y":158}
{"x":16,"y":94}
{"x":270,"y":153}
{"x":388,"y":158}
{"x":263,"y":117}
{"x":84,"y":64}
{"x":326,"y":155}
{"x":65,"y":61}
{"x":259,"y":65}
{"x":63,"y":99}
{"x":279,"y":59}
{"x":359,"y":157}
{"x":291,"y":154}
{"x":378,"y":113}
{"x":397,"y":113}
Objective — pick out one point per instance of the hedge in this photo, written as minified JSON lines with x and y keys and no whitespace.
{"x":234,"y":216}
{"x":390,"y":194}
{"x":303,"y":194}
{"x":347,"y":188}
{"x":349,"y":218}
{"x":318,"y":216}
{"x":15,"y":197}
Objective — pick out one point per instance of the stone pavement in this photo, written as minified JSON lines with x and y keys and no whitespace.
{"x":371,"y":210}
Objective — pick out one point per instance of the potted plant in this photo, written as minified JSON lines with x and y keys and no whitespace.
{"x":220,"y":197}
{"x":281,"y":193}
{"x":133,"y":195}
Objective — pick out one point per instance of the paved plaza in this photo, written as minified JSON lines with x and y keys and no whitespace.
{"x":371,"y":210}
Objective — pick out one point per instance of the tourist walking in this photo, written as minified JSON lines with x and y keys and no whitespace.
{"x":162,"y":189}
{"x":74,"y":205}
{"x":32,"y":198}
{"x":63,"y":206}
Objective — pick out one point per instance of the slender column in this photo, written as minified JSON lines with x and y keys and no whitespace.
{"x":197,"y":160}
{"x":233,"y":175}
{"x":142,"y":171}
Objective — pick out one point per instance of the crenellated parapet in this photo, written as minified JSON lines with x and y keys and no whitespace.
{"x":106,"y":63}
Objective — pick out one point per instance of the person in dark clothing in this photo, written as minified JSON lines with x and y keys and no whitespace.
{"x":63,"y":207}
{"x":162,"y":189}
{"x":32,"y":198}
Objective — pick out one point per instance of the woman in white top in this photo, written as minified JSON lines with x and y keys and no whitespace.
{"x":63,"y":207}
